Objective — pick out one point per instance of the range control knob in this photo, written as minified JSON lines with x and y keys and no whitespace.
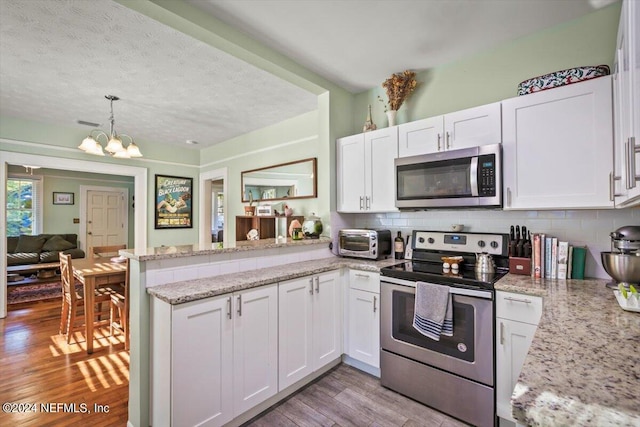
{"x":481,"y":243}
{"x":421,"y":239}
{"x":494,"y":244}
{"x":431,"y":240}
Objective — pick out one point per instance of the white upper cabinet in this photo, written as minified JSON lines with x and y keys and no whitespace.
{"x":365,"y":171}
{"x":460,"y":129}
{"x":626,"y":81}
{"x":557,"y":147}
{"x":420,"y":137}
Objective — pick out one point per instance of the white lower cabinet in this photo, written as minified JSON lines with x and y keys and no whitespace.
{"x":310,"y":325}
{"x":363,"y":307}
{"x":215,"y":358}
{"x":517,"y":317}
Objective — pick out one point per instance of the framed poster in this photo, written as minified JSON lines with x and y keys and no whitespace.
{"x":173,"y":205}
{"x":62,"y":198}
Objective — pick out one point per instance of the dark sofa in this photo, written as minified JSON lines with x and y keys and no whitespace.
{"x":41,"y":248}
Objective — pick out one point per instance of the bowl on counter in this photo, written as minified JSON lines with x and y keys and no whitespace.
{"x":623,"y":268}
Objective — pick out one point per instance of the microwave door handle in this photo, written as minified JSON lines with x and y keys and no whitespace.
{"x":473,"y":176}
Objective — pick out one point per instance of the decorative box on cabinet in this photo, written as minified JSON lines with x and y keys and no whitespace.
{"x":266,"y":225}
{"x":310,"y":325}
{"x":557,"y":147}
{"x":517,"y":317}
{"x":626,"y":83}
{"x":365,"y":171}
{"x":461,"y":129}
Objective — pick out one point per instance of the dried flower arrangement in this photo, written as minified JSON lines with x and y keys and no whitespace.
{"x":398,"y":87}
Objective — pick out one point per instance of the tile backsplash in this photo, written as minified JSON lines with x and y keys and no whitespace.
{"x":578,"y":227}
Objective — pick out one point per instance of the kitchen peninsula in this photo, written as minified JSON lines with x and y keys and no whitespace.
{"x":580,"y":368}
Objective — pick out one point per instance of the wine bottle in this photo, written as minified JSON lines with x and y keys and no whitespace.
{"x":399,"y":246}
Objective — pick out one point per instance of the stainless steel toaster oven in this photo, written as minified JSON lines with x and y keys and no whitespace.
{"x":364,"y":243}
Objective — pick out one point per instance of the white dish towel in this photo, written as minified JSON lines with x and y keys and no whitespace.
{"x":433,"y":311}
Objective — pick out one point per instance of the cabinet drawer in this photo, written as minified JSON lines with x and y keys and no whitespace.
{"x":364,"y":280}
{"x":518,"y":307}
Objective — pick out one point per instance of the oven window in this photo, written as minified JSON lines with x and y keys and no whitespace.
{"x":460,"y":345}
{"x":447,"y":178}
{"x":352,"y":242}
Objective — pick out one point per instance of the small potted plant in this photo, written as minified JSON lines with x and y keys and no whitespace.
{"x":250,"y":210}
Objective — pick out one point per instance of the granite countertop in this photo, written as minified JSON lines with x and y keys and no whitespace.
{"x":583,"y":367}
{"x":192,"y":290}
{"x":181,"y":251}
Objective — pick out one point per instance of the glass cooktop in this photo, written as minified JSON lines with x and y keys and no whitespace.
{"x":434,"y":273}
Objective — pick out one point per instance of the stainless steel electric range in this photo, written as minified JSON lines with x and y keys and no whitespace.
{"x":455,"y":375}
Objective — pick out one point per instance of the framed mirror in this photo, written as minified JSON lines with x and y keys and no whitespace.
{"x":293,"y":180}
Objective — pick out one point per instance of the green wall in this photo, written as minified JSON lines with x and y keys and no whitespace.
{"x":59,"y":218}
{"x":494,"y":75}
{"x":23,"y":136}
{"x":290,"y":140}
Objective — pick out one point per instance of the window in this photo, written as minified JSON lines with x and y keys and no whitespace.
{"x":24,"y":205}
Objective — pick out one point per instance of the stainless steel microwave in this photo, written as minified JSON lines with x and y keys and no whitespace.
{"x":469,"y":177}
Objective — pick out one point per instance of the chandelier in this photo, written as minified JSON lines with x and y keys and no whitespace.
{"x":114,"y":146}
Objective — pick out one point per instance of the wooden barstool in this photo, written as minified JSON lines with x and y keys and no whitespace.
{"x":120,"y":304}
{"x":73,"y":298}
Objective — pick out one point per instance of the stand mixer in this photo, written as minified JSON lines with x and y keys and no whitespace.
{"x":623,"y":262}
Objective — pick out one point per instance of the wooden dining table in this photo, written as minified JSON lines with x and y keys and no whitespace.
{"x":94,"y":272}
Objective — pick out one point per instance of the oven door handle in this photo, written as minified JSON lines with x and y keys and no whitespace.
{"x":452,"y":290}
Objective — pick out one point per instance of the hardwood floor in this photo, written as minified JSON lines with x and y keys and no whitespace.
{"x":39,"y":369}
{"x":346,"y":396}
{"x":49,"y":383}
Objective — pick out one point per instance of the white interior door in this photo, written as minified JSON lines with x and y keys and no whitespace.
{"x":106,"y":211}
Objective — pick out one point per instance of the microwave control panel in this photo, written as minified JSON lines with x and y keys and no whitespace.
{"x":487,"y":175}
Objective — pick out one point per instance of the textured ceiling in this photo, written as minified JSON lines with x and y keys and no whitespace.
{"x":358,"y":44}
{"x":60,"y":58}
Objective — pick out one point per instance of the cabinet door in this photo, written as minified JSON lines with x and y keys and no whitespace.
{"x":255,"y":347}
{"x":350,"y":172}
{"x":512,"y":344}
{"x":420,"y":137}
{"x":295,"y":298}
{"x":473,"y":127}
{"x":381,"y":148}
{"x":621,"y":108}
{"x":327,"y":319}
{"x":364,"y":327}
{"x":201,"y":374}
{"x":557,"y":147}
{"x":627,"y":106}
